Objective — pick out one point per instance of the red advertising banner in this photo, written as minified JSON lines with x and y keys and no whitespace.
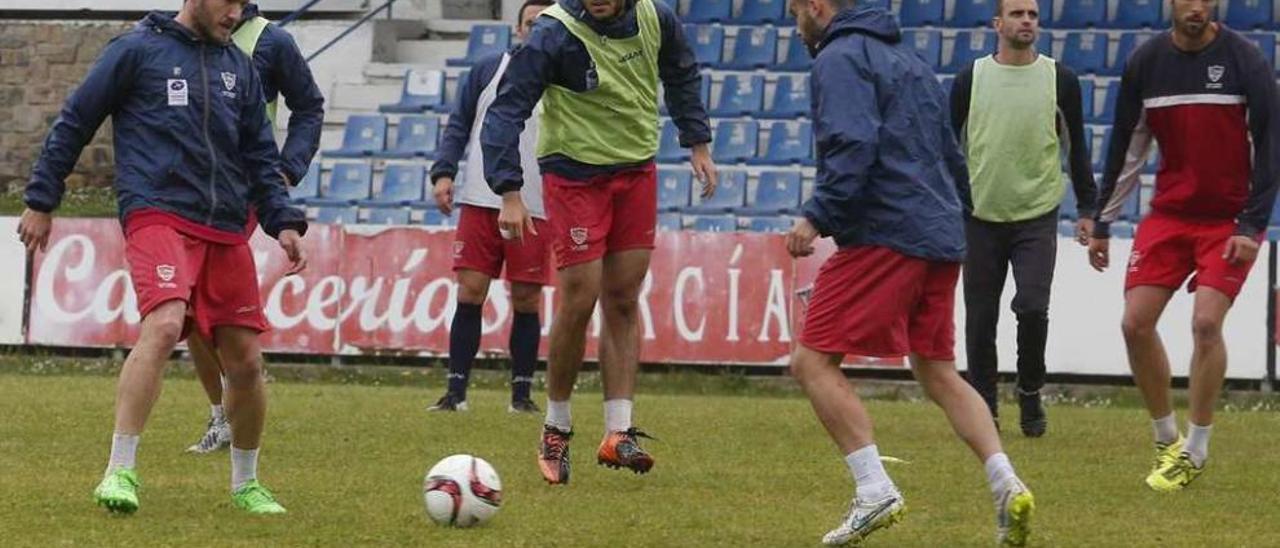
{"x":708,"y":298}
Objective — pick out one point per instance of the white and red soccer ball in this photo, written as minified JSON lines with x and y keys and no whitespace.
{"x":461,"y":491}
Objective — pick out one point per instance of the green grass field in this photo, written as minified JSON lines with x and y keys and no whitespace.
{"x":733,"y":470}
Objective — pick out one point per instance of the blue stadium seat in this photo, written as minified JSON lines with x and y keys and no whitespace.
{"x":740,"y":95}
{"x":671,"y":222}
{"x":423,"y":91}
{"x":1067,"y":210}
{"x":715,"y":223}
{"x":1100,"y":152}
{"x":927,"y":43}
{"x":336,"y":215}
{"x":416,"y":137}
{"x":432,"y":216}
{"x":798,"y":58}
{"x":1129,"y":42}
{"x":674,"y":188}
{"x":970,"y":45}
{"x":1086,"y":52}
{"x":1044,"y":44}
{"x":1137,"y":14}
{"x":735,"y":141}
{"x":1079,"y":14}
{"x":669,"y":149}
{"x":402,"y":185}
{"x":1046,"y":14}
{"x":349,"y":183}
{"x":308,"y":187}
{"x":485,"y":40}
{"x":789,"y":143}
{"x":760,"y":12}
{"x":774,"y":225}
{"x":1248,"y":14}
{"x":1107,"y":113}
{"x":777,"y":192}
{"x":947,"y":82}
{"x":364,"y":135}
{"x":755,"y":48}
{"x":1087,"y":96}
{"x":707,"y":42}
{"x":731,"y":194}
{"x":973,"y":13}
{"x":710,"y":11}
{"x":1266,"y":41}
{"x":387,"y":216}
{"x":921,"y":13}
{"x":790,"y":98}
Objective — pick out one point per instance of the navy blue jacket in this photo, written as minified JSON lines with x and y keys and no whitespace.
{"x":553,"y":55}
{"x":284,"y":71}
{"x":191,"y":134}
{"x":890,"y":172}
{"x":458,"y":131}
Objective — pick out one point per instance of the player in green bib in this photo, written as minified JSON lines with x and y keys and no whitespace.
{"x":596,"y":66}
{"x":1017,"y":113}
{"x":284,"y":72}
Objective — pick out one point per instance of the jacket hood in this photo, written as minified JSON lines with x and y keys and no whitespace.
{"x":864,"y":19}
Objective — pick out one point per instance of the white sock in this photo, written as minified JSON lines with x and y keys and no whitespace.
{"x":124,"y":452}
{"x":558,"y":415}
{"x":244,"y":467}
{"x":1197,"y":443}
{"x":999,"y":470}
{"x":1166,"y":429}
{"x":872,"y":481}
{"x":617,"y":415}
{"x":217,"y":413}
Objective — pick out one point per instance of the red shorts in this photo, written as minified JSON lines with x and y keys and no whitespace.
{"x":876,"y":302}
{"x":591,"y":219}
{"x":479,"y":246}
{"x":219,"y":282}
{"x":1167,"y":250}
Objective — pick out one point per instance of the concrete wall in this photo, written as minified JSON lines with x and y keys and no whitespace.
{"x":40,"y":63}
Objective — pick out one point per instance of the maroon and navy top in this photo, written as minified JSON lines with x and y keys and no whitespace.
{"x":1214,"y":115}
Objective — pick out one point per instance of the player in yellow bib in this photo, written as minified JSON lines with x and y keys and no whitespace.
{"x":596,"y":65}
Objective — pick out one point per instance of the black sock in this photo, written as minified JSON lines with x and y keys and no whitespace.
{"x":526,"y":333}
{"x":464,"y":342}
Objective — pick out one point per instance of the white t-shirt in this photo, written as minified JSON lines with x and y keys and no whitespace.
{"x":474,"y":190}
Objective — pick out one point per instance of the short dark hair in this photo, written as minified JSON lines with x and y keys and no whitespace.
{"x":528,"y":3}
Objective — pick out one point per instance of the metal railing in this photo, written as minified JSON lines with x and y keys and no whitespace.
{"x":386,"y":6}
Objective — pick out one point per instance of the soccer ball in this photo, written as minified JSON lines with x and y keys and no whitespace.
{"x":461,"y":491}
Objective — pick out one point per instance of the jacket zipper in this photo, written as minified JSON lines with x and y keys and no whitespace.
{"x":213,"y":156}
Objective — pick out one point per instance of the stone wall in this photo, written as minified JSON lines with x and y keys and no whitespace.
{"x":40,"y":64}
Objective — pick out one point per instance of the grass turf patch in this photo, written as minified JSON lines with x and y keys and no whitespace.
{"x":348,"y":460}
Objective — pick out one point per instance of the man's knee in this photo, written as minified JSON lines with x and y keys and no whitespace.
{"x":1206,"y":327}
{"x":526,"y":298}
{"x":163,"y":326}
{"x":1137,"y":327}
{"x":473,"y":287}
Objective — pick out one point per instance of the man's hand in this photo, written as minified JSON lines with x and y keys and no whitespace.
{"x":291,"y":243}
{"x":1099,"y":253}
{"x":443,"y":193}
{"x":1240,"y":249}
{"x":514,"y":218}
{"x":1084,"y":230}
{"x":800,"y":239}
{"x":704,"y":169}
{"x":33,"y":230}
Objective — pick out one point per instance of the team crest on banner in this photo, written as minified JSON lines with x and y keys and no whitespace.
{"x":1216,"y":72}
{"x":229,"y":80}
{"x":165,"y":272}
{"x":579,"y":235}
